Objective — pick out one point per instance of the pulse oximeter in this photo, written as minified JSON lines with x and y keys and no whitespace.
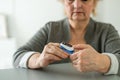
{"x":67,"y":47}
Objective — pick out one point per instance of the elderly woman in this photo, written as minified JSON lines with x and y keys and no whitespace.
{"x":96,"y":45}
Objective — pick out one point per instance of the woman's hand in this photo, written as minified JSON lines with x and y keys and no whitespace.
{"x":87,"y":59}
{"x":50,"y":54}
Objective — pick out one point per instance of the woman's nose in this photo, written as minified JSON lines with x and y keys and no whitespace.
{"x":77,"y":3}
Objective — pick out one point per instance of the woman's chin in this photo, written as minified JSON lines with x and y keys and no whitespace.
{"x":79,"y":18}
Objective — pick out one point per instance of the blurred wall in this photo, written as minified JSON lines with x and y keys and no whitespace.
{"x":30,"y":15}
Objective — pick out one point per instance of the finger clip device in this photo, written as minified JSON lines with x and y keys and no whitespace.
{"x":67,"y":47}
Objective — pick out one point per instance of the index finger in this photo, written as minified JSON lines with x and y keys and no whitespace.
{"x":80,"y":46}
{"x":54,"y":44}
{"x":55,"y":50}
{"x":74,"y":56}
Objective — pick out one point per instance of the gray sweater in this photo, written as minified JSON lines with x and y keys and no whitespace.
{"x":101,"y":36}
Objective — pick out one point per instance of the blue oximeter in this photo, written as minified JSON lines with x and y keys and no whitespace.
{"x":67,"y":47}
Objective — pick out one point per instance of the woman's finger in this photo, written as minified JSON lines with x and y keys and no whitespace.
{"x":55,"y":50}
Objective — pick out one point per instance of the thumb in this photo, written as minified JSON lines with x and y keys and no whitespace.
{"x":80,"y":46}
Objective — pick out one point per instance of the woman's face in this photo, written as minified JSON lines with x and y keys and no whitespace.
{"x":79,"y":9}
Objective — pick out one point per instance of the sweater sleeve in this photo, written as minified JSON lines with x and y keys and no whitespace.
{"x":112,"y":44}
{"x":35,"y":44}
{"x":114,"y":64}
{"x":24,"y":60}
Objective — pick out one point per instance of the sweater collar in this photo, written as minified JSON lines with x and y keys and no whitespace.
{"x":90,"y":31}
{"x":88,"y":35}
